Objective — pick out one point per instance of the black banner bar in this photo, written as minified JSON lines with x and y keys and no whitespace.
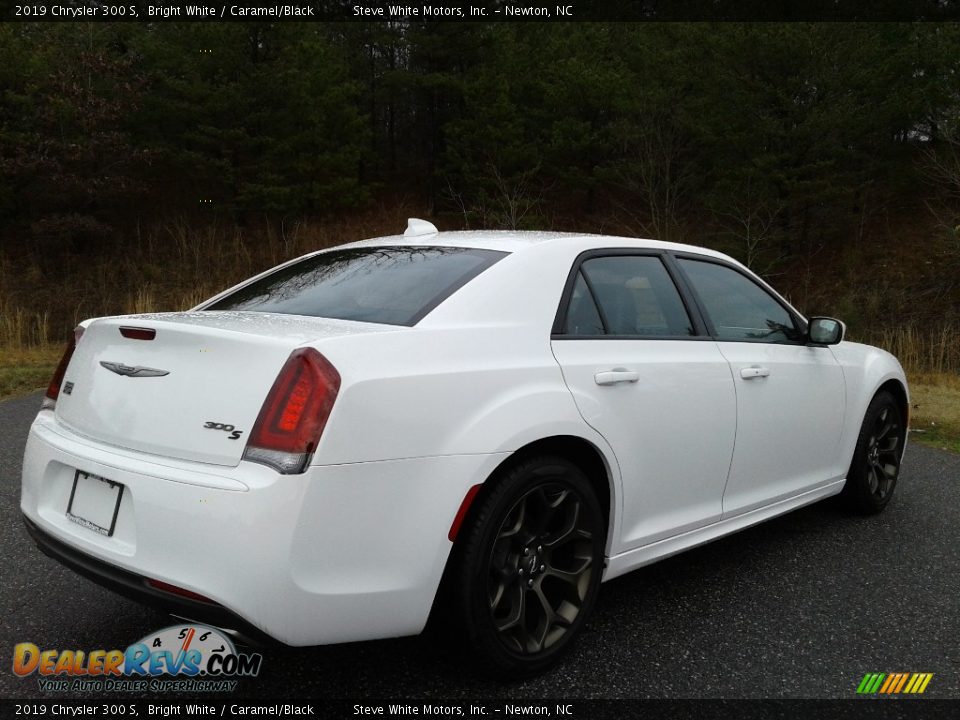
{"x":480,"y":10}
{"x":489,"y":709}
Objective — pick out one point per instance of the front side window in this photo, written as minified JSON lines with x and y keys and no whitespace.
{"x":739,"y":308}
{"x":626,"y":295}
{"x":391,"y":285}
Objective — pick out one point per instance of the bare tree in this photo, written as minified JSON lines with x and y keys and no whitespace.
{"x":656,"y":174}
{"x":940,"y":164}
{"x":751,"y":216}
{"x":504,"y":201}
{"x":515,"y":198}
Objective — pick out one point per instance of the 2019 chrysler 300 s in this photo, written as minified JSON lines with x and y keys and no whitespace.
{"x":491,"y":423}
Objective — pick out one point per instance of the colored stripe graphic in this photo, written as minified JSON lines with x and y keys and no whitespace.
{"x":903,"y":680}
{"x":891,"y":680}
{"x":894,"y":683}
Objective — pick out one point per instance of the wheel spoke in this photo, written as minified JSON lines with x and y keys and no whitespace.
{"x":571,"y":577}
{"x":882,"y":476}
{"x":568,"y":537}
{"x":874,"y":479}
{"x":519,"y":515}
{"x":890,"y":445}
{"x":883,"y":484}
{"x":547,"y":509}
{"x":882,"y":425}
{"x":498,"y":594}
{"x":551,"y":620}
{"x":516,"y":615}
{"x":567,"y":532}
{"x":539,"y":636}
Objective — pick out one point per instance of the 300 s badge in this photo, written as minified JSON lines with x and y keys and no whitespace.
{"x":234,"y":434}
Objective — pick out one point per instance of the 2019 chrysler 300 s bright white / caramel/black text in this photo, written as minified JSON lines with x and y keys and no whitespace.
{"x":484,"y":425}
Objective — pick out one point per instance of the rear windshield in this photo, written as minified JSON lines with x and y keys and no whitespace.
{"x":391,"y":285}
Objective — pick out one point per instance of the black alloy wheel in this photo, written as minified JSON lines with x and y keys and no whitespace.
{"x":876,"y":461}
{"x":531,"y":566}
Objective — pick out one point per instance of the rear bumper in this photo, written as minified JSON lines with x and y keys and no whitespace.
{"x":338,"y":554}
{"x":136,"y":588}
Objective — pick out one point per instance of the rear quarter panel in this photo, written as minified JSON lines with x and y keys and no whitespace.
{"x":445,"y":392}
{"x":476,"y":376}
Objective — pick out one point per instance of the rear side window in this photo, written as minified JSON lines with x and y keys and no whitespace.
{"x":627,"y":295}
{"x":391,"y":285}
{"x":583,"y":318}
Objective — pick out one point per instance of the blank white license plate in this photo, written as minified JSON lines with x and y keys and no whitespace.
{"x":95,"y":502}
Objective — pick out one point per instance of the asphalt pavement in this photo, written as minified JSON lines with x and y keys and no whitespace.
{"x":801,"y":606}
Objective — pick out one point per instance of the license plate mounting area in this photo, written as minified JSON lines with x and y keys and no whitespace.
{"x":95,"y":502}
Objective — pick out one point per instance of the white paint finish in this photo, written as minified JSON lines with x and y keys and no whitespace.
{"x":865,"y":368}
{"x":418,"y":228}
{"x":220,"y":365}
{"x":46,"y":427}
{"x":684,"y":397}
{"x":341,"y":553}
{"x":789,"y":423}
{"x":638,"y":557}
{"x":450,"y":391}
{"x":354,"y":548}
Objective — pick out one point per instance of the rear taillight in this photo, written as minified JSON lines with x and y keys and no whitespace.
{"x":294,"y":414}
{"x":53,"y":390}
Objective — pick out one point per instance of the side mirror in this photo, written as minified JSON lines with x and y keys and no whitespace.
{"x":825,"y":331}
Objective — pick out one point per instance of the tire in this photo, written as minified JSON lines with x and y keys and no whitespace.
{"x":875,"y":467}
{"x":529,"y":568}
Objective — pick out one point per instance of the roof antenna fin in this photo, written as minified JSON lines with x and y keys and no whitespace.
{"x":417,"y":227}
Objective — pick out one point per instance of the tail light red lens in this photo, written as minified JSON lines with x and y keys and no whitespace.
{"x":177,"y":590}
{"x":295,"y":413}
{"x":53,"y":389}
{"x":138,"y":333}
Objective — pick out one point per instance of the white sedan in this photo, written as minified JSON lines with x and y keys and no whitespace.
{"x":485,"y":425}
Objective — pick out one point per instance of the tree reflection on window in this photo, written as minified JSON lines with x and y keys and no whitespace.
{"x":391,"y":285}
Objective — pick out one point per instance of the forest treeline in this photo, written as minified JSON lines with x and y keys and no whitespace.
{"x":826,"y":154}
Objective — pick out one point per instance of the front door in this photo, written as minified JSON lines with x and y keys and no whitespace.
{"x":790,"y":395}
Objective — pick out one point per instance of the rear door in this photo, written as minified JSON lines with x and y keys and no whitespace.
{"x":646,"y":377}
{"x":790,"y":395}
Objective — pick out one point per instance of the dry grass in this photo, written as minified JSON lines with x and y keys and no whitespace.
{"x":930,"y":348}
{"x":170,"y":267}
{"x":177,"y":265}
{"x":22,"y":328}
{"x":935,"y":410}
{"x":23,"y":370}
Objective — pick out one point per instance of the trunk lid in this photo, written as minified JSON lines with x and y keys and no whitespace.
{"x":195,"y":390}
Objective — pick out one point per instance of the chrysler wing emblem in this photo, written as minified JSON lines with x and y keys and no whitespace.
{"x":133,"y":371}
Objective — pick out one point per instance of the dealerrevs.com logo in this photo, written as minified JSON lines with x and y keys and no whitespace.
{"x":180,"y":658}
